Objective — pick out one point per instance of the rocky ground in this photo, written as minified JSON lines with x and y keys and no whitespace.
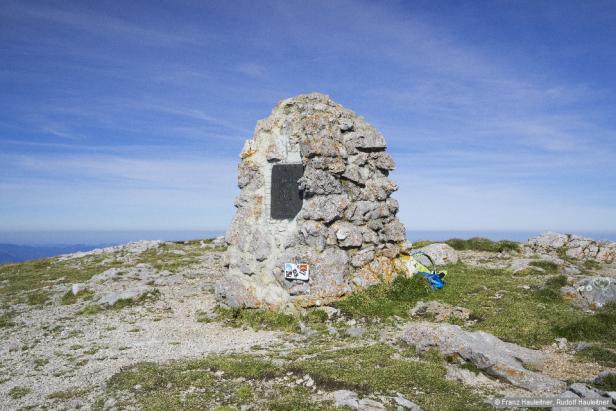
{"x":136,"y":327}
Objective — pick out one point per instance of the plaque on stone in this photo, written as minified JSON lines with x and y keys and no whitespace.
{"x":286,"y":195}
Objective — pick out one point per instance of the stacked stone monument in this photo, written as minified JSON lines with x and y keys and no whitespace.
{"x":314,"y":189}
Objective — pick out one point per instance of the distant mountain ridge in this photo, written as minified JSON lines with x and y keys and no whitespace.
{"x":14,"y":253}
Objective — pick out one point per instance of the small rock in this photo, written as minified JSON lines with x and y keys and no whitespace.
{"x":367,"y":404}
{"x":600,"y":379}
{"x":571,"y":270}
{"x":309,"y":382}
{"x":356,"y":331}
{"x":583,"y":345}
{"x":109,"y":404}
{"x":561,"y":343}
{"x":345,"y":398}
{"x":519,"y":264}
{"x":584,"y":391}
{"x":332,"y":330}
{"x":77,"y":288}
{"x":524,"y":287}
{"x":440,"y":311}
{"x":307,"y":331}
{"x":112,"y":297}
{"x":331,"y":311}
{"x":406,"y":404}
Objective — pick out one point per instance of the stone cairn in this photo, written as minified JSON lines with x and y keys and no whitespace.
{"x":343,"y":222}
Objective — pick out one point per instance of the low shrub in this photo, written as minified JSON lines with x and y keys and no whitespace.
{"x":600,"y":326}
{"x":387,"y":300}
{"x":258,"y":319}
{"x":483,"y":244}
{"x":603,"y":356}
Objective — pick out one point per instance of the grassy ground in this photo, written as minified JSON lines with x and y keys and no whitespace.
{"x":256,"y":319}
{"x":6,"y":319}
{"x":29,"y":282}
{"x":315,"y":318}
{"x":476,"y":244}
{"x":527,"y":310}
{"x":234,"y":380}
{"x":177,"y":255}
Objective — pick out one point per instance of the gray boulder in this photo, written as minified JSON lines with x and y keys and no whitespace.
{"x":112,"y":297}
{"x":440,"y":311}
{"x":406,"y":404}
{"x":493,"y":356}
{"x":346,"y":398}
{"x":579,"y":390}
{"x":591,"y":292}
{"x":574,"y":246}
{"x":441,"y":253}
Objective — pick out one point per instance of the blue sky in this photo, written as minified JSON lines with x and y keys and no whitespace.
{"x":501,"y":115}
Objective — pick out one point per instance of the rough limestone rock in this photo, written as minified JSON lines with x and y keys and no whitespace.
{"x":440,"y":311}
{"x":135,"y":293}
{"x":579,"y":390}
{"x":346,"y":228}
{"x":349,"y":399}
{"x":441,"y":253}
{"x":574,"y":246}
{"x":488,"y":353}
{"x":591,"y":292}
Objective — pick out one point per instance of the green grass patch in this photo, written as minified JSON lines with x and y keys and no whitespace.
{"x":475,"y":244}
{"x":603,"y":356}
{"x":591,"y":265}
{"x":550,"y":291}
{"x":562,"y":253}
{"x":25,"y":282}
{"x":421,"y":379}
{"x":258,"y":319}
{"x":548,"y":267}
{"x":600,"y":326}
{"x":70,"y":298}
{"x":483,"y":244}
{"x":214,"y":377}
{"x":38,"y":297}
{"x":174,"y":256}
{"x":386,"y":300}
{"x":6,"y":319}
{"x":244,"y":393}
{"x":152,"y":295}
{"x":608,"y":383}
{"x":368,"y":370}
{"x":40,"y":363}
{"x":19,"y":392}
{"x":422,"y":243}
{"x":530,"y":317}
{"x":90,"y":309}
{"x":67,"y":394}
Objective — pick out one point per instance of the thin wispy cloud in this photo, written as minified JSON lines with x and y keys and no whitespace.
{"x":498,"y":113}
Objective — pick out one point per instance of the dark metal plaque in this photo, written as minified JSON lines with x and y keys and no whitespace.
{"x":286,"y":196}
